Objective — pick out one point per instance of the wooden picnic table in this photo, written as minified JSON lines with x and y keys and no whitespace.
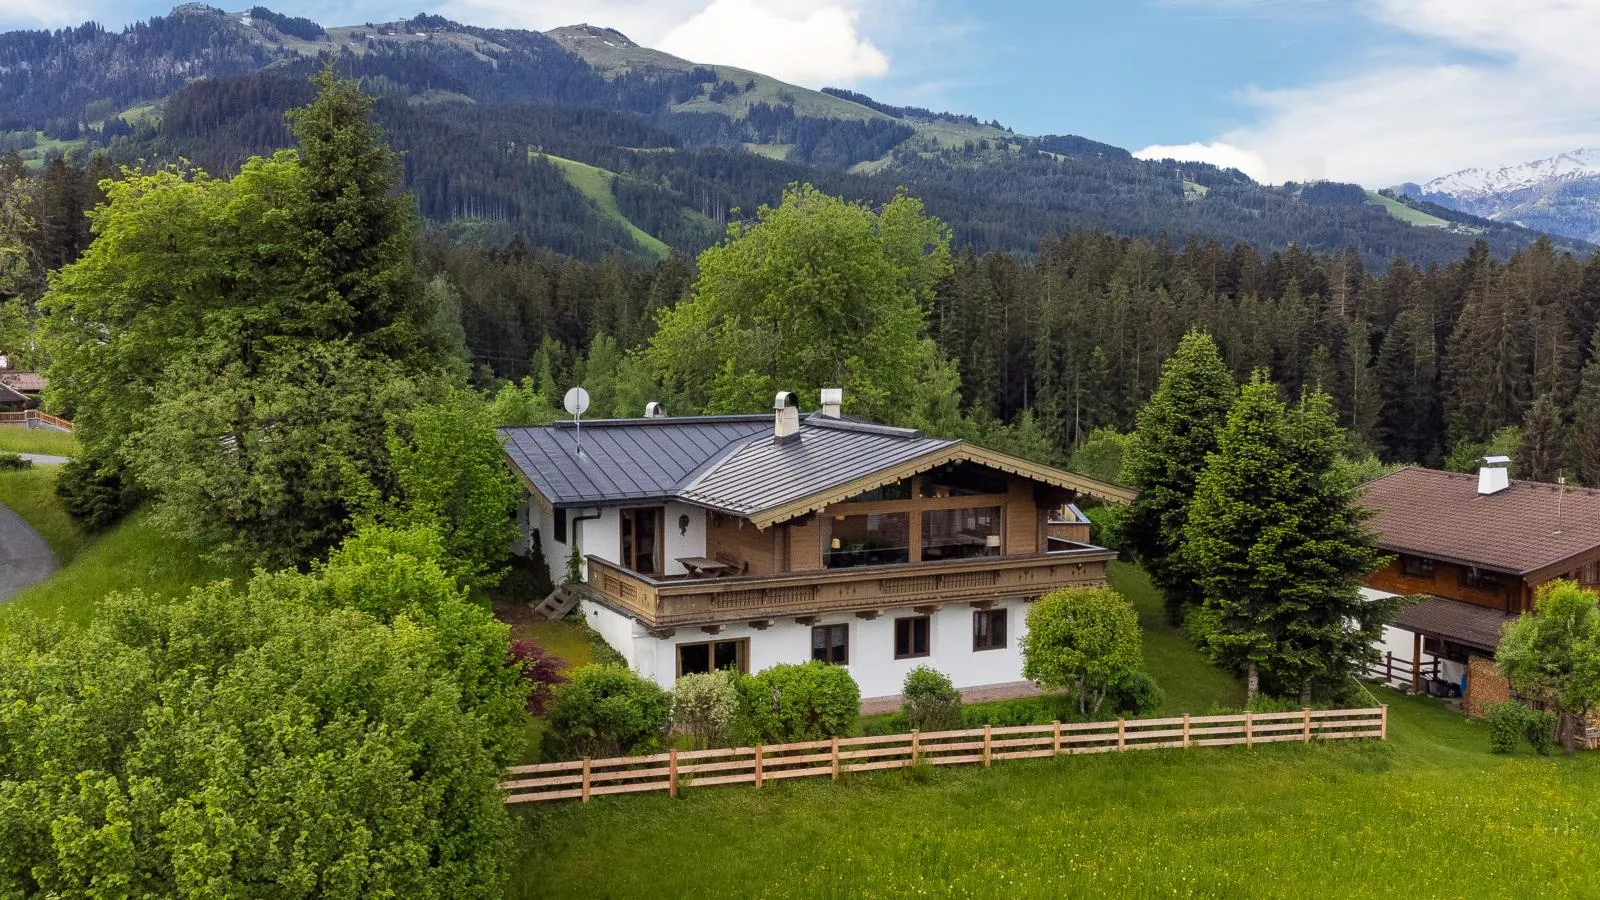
{"x":700,"y":566}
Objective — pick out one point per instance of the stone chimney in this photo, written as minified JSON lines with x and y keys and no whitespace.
{"x":832,"y":400}
{"x":785,"y":418}
{"x":1493,"y":477}
{"x":654,"y":410}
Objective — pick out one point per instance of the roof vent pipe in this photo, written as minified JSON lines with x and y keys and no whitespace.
{"x":1493,"y":477}
{"x":785,"y":417}
{"x":654,"y":410}
{"x":832,"y":400}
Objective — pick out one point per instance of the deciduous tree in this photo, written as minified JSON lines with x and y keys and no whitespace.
{"x":1082,"y":639}
{"x":1554,"y":653}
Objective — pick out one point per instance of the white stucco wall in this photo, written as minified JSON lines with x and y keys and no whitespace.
{"x":690,"y":542}
{"x":602,"y":537}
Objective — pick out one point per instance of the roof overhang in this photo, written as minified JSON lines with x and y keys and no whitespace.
{"x":1478,"y":627}
{"x":1388,"y":547}
{"x":957,"y":452}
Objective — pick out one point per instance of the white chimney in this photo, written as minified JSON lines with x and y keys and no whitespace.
{"x":786,"y":417}
{"x":832,"y":400}
{"x":654,"y":410}
{"x":1493,"y":477}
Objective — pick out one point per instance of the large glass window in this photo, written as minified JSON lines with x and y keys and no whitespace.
{"x":871,"y":540}
{"x":713,"y":656}
{"x":960,"y":533}
{"x":831,"y":644}
{"x":962,"y":479}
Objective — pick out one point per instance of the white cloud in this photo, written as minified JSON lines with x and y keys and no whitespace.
{"x":808,"y":46}
{"x":43,"y":13}
{"x":1226,"y":156}
{"x":1489,"y":82}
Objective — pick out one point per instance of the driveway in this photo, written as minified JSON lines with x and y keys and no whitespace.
{"x":45,"y":459}
{"x":25,"y":559}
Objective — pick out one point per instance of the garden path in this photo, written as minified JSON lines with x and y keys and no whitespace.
{"x":25,"y":559}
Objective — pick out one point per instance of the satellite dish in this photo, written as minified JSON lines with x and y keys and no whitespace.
{"x":576,"y":401}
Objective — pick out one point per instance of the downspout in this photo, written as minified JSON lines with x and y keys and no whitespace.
{"x":577,"y":535}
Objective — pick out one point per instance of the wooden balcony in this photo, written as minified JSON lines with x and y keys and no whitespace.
{"x":671,"y":602}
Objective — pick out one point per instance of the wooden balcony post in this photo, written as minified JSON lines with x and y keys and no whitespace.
{"x":759,"y":773}
{"x":1055,"y":742}
{"x":1388,"y":666}
{"x":1416,"y":662}
{"x":585,"y":788}
{"x":1122,"y":733}
{"x":1305,"y":725}
{"x":836,"y":758}
{"x":986,"y":747}
{"x":672,"y":772}
{"x":1185,"y":731}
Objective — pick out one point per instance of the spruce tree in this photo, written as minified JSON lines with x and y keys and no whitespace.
{"x":1582,"y":451}
{"x":1278,"y":545}
{"x":1176,"y":430}
{"x":1539,"y":454}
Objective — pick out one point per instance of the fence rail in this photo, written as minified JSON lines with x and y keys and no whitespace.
{"x":31,"y":417}
{"x":584,"y":779}
{"x":1392,"y":669}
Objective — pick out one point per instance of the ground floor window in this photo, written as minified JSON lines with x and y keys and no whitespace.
{"x":713,"y":656}
{"x":831,"y":644}
{"x":911,"y":637}
{"x":989,"y":629}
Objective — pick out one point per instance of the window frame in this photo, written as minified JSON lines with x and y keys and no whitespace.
{"x":828,"y":645}
{"x":560,"y":529}
{"x":1417,"y":567}
{"x":911,"y":636}
{"x":634,"y":513}
{"x":987,"y":635}
{"x":742,"y":653}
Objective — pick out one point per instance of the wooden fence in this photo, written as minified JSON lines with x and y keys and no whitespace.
{"x":677,"y":769}
{"x":32,"y":417}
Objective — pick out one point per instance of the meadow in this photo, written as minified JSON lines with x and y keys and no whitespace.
{"x":16,"y":439}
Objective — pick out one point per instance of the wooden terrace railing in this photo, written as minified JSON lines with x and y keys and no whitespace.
{"x":584,"y":779}
{"x":665,"y":602}
{"x":29,"y":417}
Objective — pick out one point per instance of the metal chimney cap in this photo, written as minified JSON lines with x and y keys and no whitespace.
{"x":1497,"y":460}
{"x":784,"y":400}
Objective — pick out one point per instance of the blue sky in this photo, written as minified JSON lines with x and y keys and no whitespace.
{"x":1375,"y":91}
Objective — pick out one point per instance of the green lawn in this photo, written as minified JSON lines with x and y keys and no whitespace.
{"x":595,"y":183}
{"x":1405,"y":213}
{"x":16,"y":439}
{"x":132,"y":555}
{"x":1191,"y":684}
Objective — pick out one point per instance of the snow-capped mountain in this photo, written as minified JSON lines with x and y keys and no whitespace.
{"x":1559,"y":195}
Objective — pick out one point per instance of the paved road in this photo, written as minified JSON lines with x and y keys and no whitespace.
{"x":45,"y":459}
{"x":25,"y":559}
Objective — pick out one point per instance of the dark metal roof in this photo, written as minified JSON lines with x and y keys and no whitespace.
{"x":624,"y":459}
{"x":1452,"y":620}
{"x":761,"y":474}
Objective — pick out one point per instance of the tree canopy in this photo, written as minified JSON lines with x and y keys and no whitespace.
{"x":1554,"y":654}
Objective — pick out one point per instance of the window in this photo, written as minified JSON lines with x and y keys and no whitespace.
{"x":1417,"y":566}
{"x":1589,"y":574}
{"x":910,"y":637}
{"x":1483,"y":581}
{"x":641,"y":540}
{"x":713,"y":656}
{"x":962,"y":479}
{"x":878,"y":539}
{"x":561,"y":526}
{"x":831,"y":644}
{"x":960,"y":533}
{"x":989,"y":629}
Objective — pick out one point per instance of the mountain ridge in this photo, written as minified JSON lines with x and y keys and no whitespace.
{"x":1559,"y":194}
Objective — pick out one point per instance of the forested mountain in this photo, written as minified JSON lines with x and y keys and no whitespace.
{"x":1559,"y":195}
{"x":585,"y":143}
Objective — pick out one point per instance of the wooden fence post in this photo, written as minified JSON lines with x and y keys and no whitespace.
{"x":835,"y":757}
{"x":986,"y":746}
{"x":1249,"y":731}
{"x":672,"y":772}
{"x":1383,"y":722}
{"x":1055,"y":745}
{"x":758,"y":766}
{"x":1122,"y":734}
{"x":916,"y":747}
{"x":586,"y":779}
{"x":1305,"y":727}
{"x":1388,"y":666}
{"x":1185,"y":731}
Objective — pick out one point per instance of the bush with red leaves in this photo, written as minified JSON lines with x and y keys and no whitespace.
{"x":541,"y":672}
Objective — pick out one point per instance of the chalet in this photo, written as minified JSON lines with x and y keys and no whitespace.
{"x":18,"y":390}
{"x":1473,"y":550}
{"x":743,"y":541}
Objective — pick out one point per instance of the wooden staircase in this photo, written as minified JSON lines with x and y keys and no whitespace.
{"x":564,"y":599}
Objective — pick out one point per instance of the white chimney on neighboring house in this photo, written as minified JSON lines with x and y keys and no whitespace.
{"x":785,"y":417}
{"x":1493,"y":477}
{"x":654,"y":410}
{"x":832,"y":401}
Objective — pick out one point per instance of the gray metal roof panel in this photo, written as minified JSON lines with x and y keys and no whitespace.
{"x":623,"y":460}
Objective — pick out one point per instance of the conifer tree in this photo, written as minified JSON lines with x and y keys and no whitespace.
{"x":1582,"y":451}
{"x":1278,"y":545}
{"x":1176,"y":430}
{"x":1539,"y":454}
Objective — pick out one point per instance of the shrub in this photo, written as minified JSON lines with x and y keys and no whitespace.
{"x":1136,"y":695}
{"x":1082,"y":639}
{"x":1105,"y":524}
{"x":606,"y":711}
{"x":93,"y":492}
{"x":540,"y":671}
{"x":932,"y":702}
{"x":14,"y":461}
{"x":1540,"y":729}
{"x":799,"y":702}
{"x":706,"y":707}
{"x":1507,"y":725}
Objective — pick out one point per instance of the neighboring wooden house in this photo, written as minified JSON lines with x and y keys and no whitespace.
{"x":12,"y":400}
{"x":744,"y":541}
{"x":18,"y":390}
{"x":1474,"y":550}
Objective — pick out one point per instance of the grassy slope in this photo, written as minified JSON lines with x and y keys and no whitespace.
{"x":16,"y":439}
{"x":1431,"y":813}
{"x":134,"y":555}
{"x":1405,"y":213}
{"x":595,"y":183}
